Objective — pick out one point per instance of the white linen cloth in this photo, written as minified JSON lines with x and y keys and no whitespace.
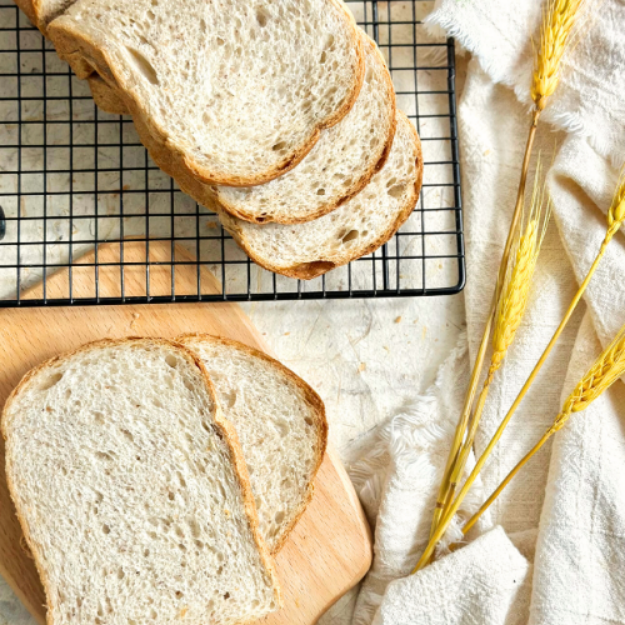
{"x":569,"y":498}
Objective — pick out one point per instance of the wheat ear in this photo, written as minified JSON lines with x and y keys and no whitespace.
{"x":556,"y":31}
{"x":558,"y":24}
{"x":615,"y":219}
{"x":607,"y":369}
{"x":510,"y":312}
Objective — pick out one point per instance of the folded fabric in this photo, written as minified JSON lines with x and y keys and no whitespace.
{"x":580,"y":555}
{"x":397,"y":481}
{"x":487,"y":582}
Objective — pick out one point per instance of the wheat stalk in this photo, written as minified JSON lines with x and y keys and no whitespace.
{"x":510,"y":313}
{"x":556,"y":30}
{"x":615,"y":219}
{"x":606,"y":370}
{"x":558,"y":22}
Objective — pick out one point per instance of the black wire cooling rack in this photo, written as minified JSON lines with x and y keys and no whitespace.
{"x":82,"y":199}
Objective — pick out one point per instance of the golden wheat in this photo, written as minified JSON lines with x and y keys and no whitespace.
{"x":616,"y":214}
{"x":606,"y":370}
{"x":510,"y":312}
{"x":556,"y":30}
{"x":557,"y":26}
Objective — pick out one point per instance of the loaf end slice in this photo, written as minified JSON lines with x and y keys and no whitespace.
{"x":238,"y":92}
{"x":281,"y":424}
{"x":132,"y":492}
{"x":356,"y":229}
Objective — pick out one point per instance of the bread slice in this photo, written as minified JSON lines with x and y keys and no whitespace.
{"x":355,"y":229}
{"x":132,"y":492}
{"x":238,"y":91}
{"x":339,"y":166}
{"x":280,"y":422}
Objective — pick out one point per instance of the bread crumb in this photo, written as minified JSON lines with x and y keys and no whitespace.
{"x":398,"y":319}
{"x":362,"y":366}
{"x":287,"y":333}
{"x":183,"y":612}
{"x":211,"y":225}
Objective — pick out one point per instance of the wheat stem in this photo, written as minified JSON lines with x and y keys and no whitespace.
{"x":453,"y":508}
{"x":608,"y":368}
{"x":446,"y":490}
{"x":511,"y":310}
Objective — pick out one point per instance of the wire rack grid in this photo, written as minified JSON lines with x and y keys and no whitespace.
{"x":73,"y":179}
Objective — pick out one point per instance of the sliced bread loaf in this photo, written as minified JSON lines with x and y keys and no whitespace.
{"x":339,"y":166}
{"x":355,"y":229}
{"x":238,"y":90}
{"x":280,"y":422}
{"x":132,"y":491}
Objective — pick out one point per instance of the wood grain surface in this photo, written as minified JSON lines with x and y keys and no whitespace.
{"x":328,"y":552}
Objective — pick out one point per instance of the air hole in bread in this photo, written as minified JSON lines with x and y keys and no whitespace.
{"x":262,"y":17}
{"x":143,"y":66}
{"x":220,"y":41}
{"x":323,"y":58}
{"x":53,"y":380}
{"x":127,"y":434}
{"x":106,"y":529}
{"x":308,"y":420}
{"x":278,"y":147}
{"x":350,"y":236}
{"x":321,"y":191}
{"x":397,"y":191}
{"x":171,"y":360}
{"x":279,"y":517}
{"x":231,"y":398}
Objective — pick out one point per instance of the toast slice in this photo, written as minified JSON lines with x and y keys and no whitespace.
{"x":356,"y":229}
{"x":132,"y":491}
{"x":280,"y":422}
{"x":339,"y":166}
{"x":238,"y":91}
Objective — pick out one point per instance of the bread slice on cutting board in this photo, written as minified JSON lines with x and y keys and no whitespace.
{"x":339,"y":166}
{"x":281,"y":425}
{"x":132,"y":491}
{"x":355,"y":229}
{"x":238,"y":91}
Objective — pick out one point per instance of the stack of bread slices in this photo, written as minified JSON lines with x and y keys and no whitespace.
{"x":279,"y":115}
{"x":155,"y":480}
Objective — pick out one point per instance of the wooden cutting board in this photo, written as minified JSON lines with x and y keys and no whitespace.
{"x":330,"y":549}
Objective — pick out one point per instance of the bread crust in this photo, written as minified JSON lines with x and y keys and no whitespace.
{"x":83,"y":55}
{"x":105,"y":97}
{"x":356,"y":187}
{"x":311,"y":398}
{"x":229,"y":436}
{"x":314,"y":269}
